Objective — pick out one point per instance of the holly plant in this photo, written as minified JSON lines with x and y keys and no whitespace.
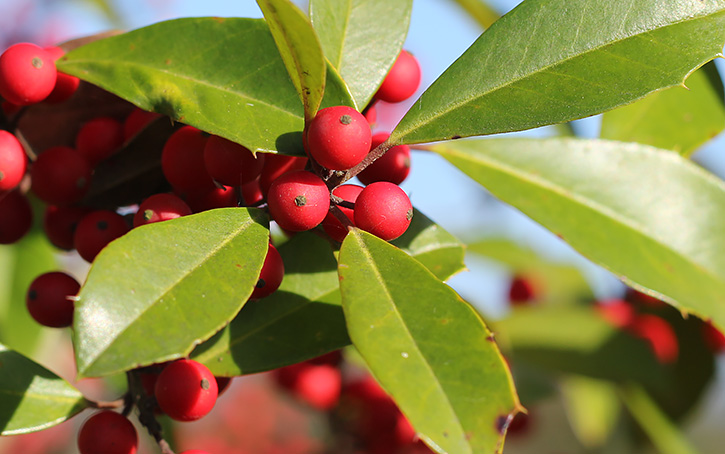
{"x":161,"y":155}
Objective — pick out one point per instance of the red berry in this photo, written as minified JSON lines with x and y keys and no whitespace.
{"x":27,"y":74}
{"x":160,"y":207}
{"x":298,"y":200}
{"x":65,"y":85}
{"x":333,"y":358}
{"x":393,"y":166}
{"x":222,"y":383}
{"x":186,"y":390}
{"x":208,"y":199}
{"x":96,"y":230}
{"x":339,"y":137}
{"x":332,"y":226}
{"x":16,"y":216}
{"x":276,"y":165}
{"x":99,"y":138}
{"x":12,"y":161}
{"x":230,"y":163}
{"x":182,"y":160}
{"x":194,"y":451}
{"x":402,"y":81}
{"x":60,"y":176}
{"x":252,"y":193}
{"x":640,"y":297}
{"x":137,"y":120}
{"x":271,"y":275}
{"x":319,"y":385}
{"x":107,"y":432}
{"x":660,"y":336}
{"x":371,"y":114}
{"x":714,"y":338}
{"x":60,"y":222}
{"x":521,"y":291}
{"x":384,"y":210}
{"x":618,"y":312}
{"x":50,"y":299}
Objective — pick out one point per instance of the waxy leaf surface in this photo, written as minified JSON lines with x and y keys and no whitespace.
{"x":301,"y":320}
{"x":650,"y":216}
{"x":411,"y":329}
{"x":33,"y":398}
{"x":300,"y":50}
{"x":362,"y":39}
{"x":550,"y":61}
{"x":161,"y":289}
{"x":222,"y":75}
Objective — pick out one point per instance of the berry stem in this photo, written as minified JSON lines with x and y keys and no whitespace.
{"x":337,"y":212}
{"x":146,"y":405}
{"x":336,"y":180}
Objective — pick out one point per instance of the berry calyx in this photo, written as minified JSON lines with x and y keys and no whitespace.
{"x":182,"y":160}
{"x":99,"y":138}
{"x":332,"y":225}
{"x":271,"y":275}
{"x":393,"y":166}
{"x":230,"y":163}
{"x":12,"y":161}
{"x":107,"y":432}
{"x":50,"y":299}
{"x":16,"y":216}
{"x":186,"y":390}
{"x":339,"y":137}
{"x":96,"y":230}
{"x":60,"y":176}
{"x":384,"y":210}
{"x":298,"y":200}
{"x":160,"y":207}
{"x":402,"y":81}
{"x":27,"y":74}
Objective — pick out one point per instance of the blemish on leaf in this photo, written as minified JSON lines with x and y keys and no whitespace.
{"x":238,"y":265}
{"x":167,"y":61}
{"x":502,"y":423}
{"x":491,"y":338}
{"x":455,"y":137}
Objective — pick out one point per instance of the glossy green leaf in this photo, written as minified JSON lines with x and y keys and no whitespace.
{"x":592,"y":407}
{"x":33,"y":398}
{"x":433,"y":246}
{"x":412,"y":329}
{"x":176,"y":282}
{"x":550,"y":61}
{"x":651,"y":217}
{"x":679,"y":119}
{"x":362,"y":39}
{"x":300,"y":50}
{"x":222,"y":75}
{"x":480,"y":10}
{"x":301,"y":320}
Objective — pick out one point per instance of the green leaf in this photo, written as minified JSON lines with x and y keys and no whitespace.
{"x":31,"y":397}
{"x":301,"y":320}
{"x":222,"y":75}
{"x":479,"y":10}
{"x":676,"y":119}
{"x":362,"y":39}
{"x":550,"y":61}
{"x":432,"y":246}
{"x":175,"y":283}
{"x":651,"y":217}
{"x":300,"y":50}
{"x":428,"y":348}
{"x":592,"y":408}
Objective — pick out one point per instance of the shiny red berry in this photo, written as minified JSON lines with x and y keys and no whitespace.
{"x":107,"y":432}
{"x":137,"y":120}
{"x":65,"y":85}
{"x":16,"y":216}
{"x":714,"y":338}
{"x":96,"y":230}
{"x":393,"y":166}
{"x":27,"y":74}
{"x":230,"y":163}
{"x":276,"y":165}
{"x":659,"y":335}
{"x":99,"y":138}
{"x":298,"y":200}
{"x":60,"y":222}
{"x":13,"y":161}
{"x":271,"y":275}
{"x":332,"y":226}
{"x":160,"y":207}
{"x":50,"y":299}
{"x":182,"y":160}
{"x":209,"y":199}
{"x":186,"y":390}
{"x":384,"y":210}
{"x":319,"y":385}
{"x":339,"y":137}
{"x":402,"y":81}
{"x":60,"y":176}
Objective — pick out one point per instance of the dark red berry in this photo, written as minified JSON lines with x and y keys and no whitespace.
{"x":298,"y":200}
{"x":659,"y":335}
{"x":50,"y":299}
{"x":384,"y":210}
{"x":276,"y":165}
{"x":393,"y":166}
{"x":186,"y":390}
{"x":99,"y":138}
{"x":402,"y":81}
{"x":182,"y":160}
{"x":137,"y":120}
{"x":619,"y":313}
{"x":636,"y":296}
{"x":65,"y":85}
{"x":194,"y":451}
{"x":209,"y":199}
{"x":222,"y":383}
{"x":60,"y":176}
{"x":160,"y":207}
{"x":16,"y":216}
{"x":13,"y":161}
{"x":371,"y":114}
{"x":332,"y":226}
{"x":252,"y":193}
{"x":27,"y":74}
{"x":339,"y":137}
{"x":714,"y":338}
{"x":521,"y":291}
{"x":271,"y":275}
{"x":60,"y":222}
{"x":107,"y":432}
{"x":96,"y":230}
{"x":230,"y":163}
